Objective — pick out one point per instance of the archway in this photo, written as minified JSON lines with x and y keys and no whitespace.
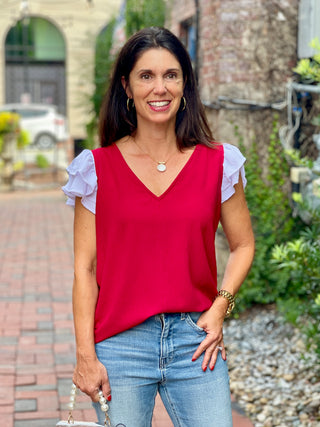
{"x":35,"y":63}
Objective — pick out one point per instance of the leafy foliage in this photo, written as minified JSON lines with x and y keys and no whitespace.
{"x":295,"y":157}
{"x":300,"y":259}
{"x":286,"y":269}
{"x":10,"y":123}
{"x":144,"y":13}
{"x":309,"y":69}
{"x":104,"y":59}
{"x":42,"y":162}
{"x":272,"y":221}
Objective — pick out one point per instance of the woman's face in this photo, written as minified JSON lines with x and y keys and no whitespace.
{"x":156,"y":86}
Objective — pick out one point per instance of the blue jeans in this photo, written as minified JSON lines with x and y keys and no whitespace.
{"x":155,"y":356}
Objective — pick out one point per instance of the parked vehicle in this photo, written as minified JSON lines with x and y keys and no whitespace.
{"x":43,"y":123}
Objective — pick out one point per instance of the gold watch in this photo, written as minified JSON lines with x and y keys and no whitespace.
{"x":225,"y":294}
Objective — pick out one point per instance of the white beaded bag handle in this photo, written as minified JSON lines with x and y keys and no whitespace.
{"x":71,"y":405}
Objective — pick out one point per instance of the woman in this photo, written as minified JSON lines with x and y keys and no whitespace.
{"x":147,"y":313}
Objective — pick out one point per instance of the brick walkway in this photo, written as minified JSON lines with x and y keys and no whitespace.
{"x":36,"y":331}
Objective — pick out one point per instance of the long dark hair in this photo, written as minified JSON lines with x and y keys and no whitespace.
{"x":116,"y":121}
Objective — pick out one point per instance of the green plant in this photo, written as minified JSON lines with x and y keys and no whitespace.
{"x":309,"y":69}
{"x":42,"y":162}
{"x":10,"y":124}
{"x":300,"y":259}
{"x":23,"y":139}
{"x":144,"y":13}
{"x":272,"y":220}
{"x":104,"y":58}
{"x":295,"y":157}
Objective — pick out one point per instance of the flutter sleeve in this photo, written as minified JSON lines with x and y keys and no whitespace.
{"x":233,"y":166}
{"x":82,"y":181}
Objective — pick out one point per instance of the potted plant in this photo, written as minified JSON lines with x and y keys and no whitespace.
{"x":12,"y":137}
{"x":309,"y":68}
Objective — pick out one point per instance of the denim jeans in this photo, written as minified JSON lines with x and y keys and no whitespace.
{"x":155,"y":356}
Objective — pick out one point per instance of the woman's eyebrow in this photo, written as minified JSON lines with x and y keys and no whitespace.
{"x":169,"y":70}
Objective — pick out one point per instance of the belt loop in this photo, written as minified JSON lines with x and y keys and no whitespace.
{"x":183,"y":316}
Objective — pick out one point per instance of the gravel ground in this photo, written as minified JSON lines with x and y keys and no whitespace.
{"x":272,"y":375}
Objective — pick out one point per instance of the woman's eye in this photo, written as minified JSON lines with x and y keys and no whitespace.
{"x":145,"y":76}
{"x":171,"y":76}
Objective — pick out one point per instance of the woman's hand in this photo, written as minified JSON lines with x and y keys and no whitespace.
{"x":211,"y":321}
{"x":90,"y":376}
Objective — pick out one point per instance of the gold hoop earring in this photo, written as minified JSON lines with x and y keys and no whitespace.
{"x":184,"y":103}
{"x":128,"y":103}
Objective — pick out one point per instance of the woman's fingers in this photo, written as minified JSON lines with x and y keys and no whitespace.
{"x":211,"y":350}
{"x":206,"y":343}
{"x":215,"y":353}
{"x":106,"y":389}
{"x":92,"y":381}
{"x":211,"y":354}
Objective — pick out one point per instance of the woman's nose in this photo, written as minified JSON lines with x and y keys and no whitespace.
{"x":160,"y":86}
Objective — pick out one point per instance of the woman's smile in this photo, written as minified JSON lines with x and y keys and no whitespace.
{"x":159,"y":105}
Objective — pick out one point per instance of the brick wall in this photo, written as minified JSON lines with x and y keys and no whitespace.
{"x":177,"y":12}
{"x":247,"y":50}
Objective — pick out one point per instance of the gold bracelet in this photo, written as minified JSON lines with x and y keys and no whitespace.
{"x":225,"y":294}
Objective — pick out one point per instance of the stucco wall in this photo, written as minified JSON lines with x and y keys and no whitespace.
{"x":79,"y":25}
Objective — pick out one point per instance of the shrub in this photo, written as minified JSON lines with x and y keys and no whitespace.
{"x":42,"y":162}
{"x":272,"y":221}
{"x":286,"y":269}
{"x":10,"y":123}
{"x":300,"y":259}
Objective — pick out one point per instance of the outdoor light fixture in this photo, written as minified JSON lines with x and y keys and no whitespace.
{"x":24,"y":7}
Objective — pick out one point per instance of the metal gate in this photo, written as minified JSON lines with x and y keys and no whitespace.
{"x":43,"y":83}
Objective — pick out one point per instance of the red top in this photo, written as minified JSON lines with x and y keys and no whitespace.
{"x":155,"y":254}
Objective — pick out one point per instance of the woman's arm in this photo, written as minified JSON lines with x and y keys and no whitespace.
{"x":236,"y":223}
{"x":89,"y":374}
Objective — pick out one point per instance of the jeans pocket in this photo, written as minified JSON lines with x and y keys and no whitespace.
{"x":192,"y":318}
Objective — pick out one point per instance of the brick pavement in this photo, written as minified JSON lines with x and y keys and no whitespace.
{"x":36,"y":331}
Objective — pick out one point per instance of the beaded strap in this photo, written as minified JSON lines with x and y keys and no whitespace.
{"x":102,"y":401}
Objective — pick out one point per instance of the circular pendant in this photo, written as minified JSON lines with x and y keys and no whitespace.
{"x":161,"y":167}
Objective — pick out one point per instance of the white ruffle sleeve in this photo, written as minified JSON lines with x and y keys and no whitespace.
{"x":82,"y":181}
{"x":233,"y":165}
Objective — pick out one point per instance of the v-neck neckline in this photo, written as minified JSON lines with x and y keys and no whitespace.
{"x":141,"y":183}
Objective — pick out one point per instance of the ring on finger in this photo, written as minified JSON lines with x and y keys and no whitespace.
{"x":219,"y":348}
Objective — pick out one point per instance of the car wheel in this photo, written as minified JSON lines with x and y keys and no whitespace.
{"x":45,"y":141}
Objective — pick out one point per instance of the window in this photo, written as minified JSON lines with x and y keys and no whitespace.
{"x":34,"y":40}
{"x":309,"y":28}
{"x":188,"y":37}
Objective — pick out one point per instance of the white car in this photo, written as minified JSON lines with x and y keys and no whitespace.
{"x":42,"y":122}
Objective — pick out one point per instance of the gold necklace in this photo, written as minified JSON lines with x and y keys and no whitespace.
{"x":161,"y":165}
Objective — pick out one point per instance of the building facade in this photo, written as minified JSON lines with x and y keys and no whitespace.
{"x":245,"y":52}
{"x":47,"y":53}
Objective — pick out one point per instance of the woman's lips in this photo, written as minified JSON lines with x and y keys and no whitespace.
{"x":159,"y":105}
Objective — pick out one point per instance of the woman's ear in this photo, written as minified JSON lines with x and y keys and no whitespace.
{"x":126,"y":87}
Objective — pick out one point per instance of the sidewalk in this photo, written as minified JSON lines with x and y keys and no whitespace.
{"x":36,"y":331}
